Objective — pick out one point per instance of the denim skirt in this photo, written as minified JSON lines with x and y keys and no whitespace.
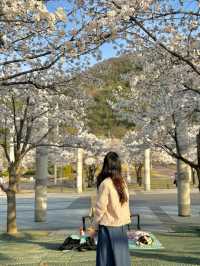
{"x":112,"y":246}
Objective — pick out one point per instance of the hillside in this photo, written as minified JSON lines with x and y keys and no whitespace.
{"x":105,"y":77}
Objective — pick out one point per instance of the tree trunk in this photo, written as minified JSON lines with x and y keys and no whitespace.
{"x":11,"y":213}
{"x":183,"y":190}
{"x":184,"y":204}
{"x":11,"y":202}
{"x":138,"y":171}
{"x":18,"y":181}
{"x":194,"y":179}
{"x":91,"y":175}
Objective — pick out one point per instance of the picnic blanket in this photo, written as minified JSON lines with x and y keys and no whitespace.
{"x":73,"y":242}
{"x":154,"y":244}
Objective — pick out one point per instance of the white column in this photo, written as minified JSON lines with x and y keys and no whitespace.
{"x":55,"y":173}
{"x":183,"y":185}
{"x":147,"y":170}
{"x":41,"y":175}
{"x":128,"y":173}
{"x":41,"y":184}
{"x":79,"y":178}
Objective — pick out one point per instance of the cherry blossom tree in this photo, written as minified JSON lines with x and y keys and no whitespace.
{"x":135,"y":149}
{"x":21,"y":124}
{"x":38,"y":46}
{"x":163,"y":111}
{"x":158,"y":100}
{"x":136,"y":146}
{"x":42,"y":49}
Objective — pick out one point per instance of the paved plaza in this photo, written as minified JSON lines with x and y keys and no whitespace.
{"x":158,"y":214}
{"x":157,"y":211}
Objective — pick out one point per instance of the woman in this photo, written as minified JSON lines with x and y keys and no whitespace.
{"x":112,"y":214}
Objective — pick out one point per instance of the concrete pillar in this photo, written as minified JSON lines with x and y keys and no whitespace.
{"x":189,"y":173}
{"x":128,"y":176}
{"x":41,"y":174}
{"x":183,"y":185}
{"x":79,"y":178}
{"x":147,"y":170}
{"x":41,"y":184}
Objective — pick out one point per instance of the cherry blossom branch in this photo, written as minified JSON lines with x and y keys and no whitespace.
{"x":153,"y":37}
{"x":162,"y":45}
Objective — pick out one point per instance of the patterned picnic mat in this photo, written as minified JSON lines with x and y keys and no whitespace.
{"x":155,"y":244}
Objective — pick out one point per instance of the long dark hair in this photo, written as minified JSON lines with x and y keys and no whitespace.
{"x":112,"y":168}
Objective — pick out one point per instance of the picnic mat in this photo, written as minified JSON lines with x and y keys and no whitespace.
{"x":154,"y":245}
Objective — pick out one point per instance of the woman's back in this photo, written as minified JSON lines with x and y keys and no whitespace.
{"x":109,"y":210}
{"x":112,"y":214}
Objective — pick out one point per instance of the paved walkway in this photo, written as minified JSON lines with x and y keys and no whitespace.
{"x":65,"y":212}
{"x":39,"y":246}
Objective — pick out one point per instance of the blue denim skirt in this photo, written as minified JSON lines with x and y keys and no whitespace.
{"x":112,"y":246}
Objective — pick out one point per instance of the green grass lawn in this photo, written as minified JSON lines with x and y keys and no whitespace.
{"x":40,"y":248}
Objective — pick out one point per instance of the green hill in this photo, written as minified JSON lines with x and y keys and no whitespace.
{"x":106,"y":77}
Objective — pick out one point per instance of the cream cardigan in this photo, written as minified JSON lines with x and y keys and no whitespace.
{"x":108,"y":210}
